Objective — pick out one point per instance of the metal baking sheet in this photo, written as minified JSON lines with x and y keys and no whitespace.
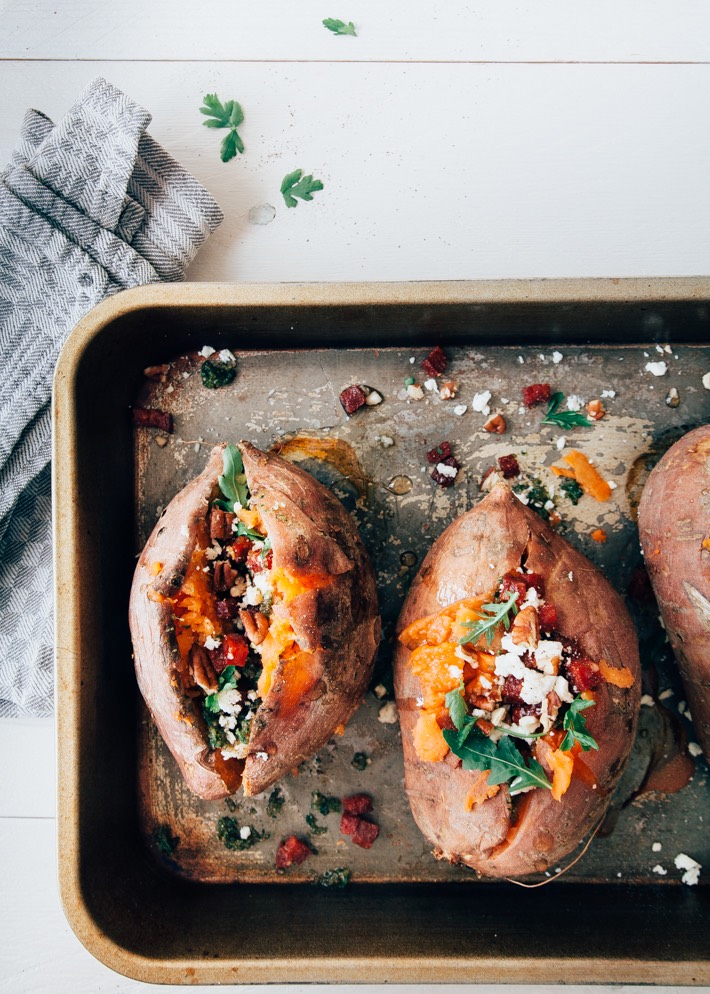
{"x":289,"y":398}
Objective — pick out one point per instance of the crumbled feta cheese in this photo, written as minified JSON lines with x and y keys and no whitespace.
{"x":507,"y":644}
{"x":431,"y":385}
{"x":656,"y":847}
{"x":385,"y":441}
{"x":388,"y":713}
{"x":239,"y":587}
{"x":659,"y":870}
{"x":510,"y":664}
{"x":523,"y":498}
{"x":706,"y":381}
{"x":419,"y":701}
{"x":373,"y":398}
{"x":521,"y":360}
{"x":239,"y":750}
{"x":694,"y":749}
{"x":206,"y":351}
{"x":227,"y":356}
{"x":415,"y":392}
{"x":263,"y":756}
{"x":170,"y":389}
{"x":462,"y":654}
{"x":549,"y":505}
{"x":571,"y":576}
{"x":574,"y":403}
{"x":657,"y":368}
{"x":647,"y":701}
{"x":665,"y":694}
{"x":561,"y":442}
{"x":612,"y":484}
{"x":212,"y":643}
{"x":455,"y":671}
{"x":562,"y":690}
{"x":527,"y":724}
{"x":252,"y":597}
{"x":380,"y":691}
{"x":548,"y":655}
{"x":412,"y":359}
{"x":531,"y":597}
{"x":609,"y":393}
{"x":445,"y":470}
{"x":691,"y":867}
{"x":536,"y":686}
{"x":497,"y":716}
{"x":212,"y":552}
{"x":261,"y":582}
{"x":244,"y":832}
{"x":460,"y":410}
{"x":557,"y":357}
{"x":480,"y":402}
{"x":229,"y":700}
{"x":252,"y":695}
{"x":659,"y":348}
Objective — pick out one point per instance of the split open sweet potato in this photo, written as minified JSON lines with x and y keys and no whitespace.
{"x":674,"y":526}
{"x":254,"y":620}
{"x":518,"y":683}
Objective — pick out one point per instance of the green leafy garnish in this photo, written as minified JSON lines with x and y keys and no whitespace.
{"x":572,"y":489}
{"x":265,"y":548}
{"x":359,"y":761}
{"x":495,"y":614}
{"x":565,"y":419}
{"x":313,"y":827}
{"x":251,"y":533}
{"x":229,"y":832}
{"x":295,"y":184}
{"x":323,"y":804}
{"x":503,"y":759}
{"x":229,"y":115}
{"x":165,"y":841}
{"x":275,"y":803}
{"x":575,"y":724}
{"x":537,"y":497}
{"x":457,"y":707}
{"x":339,"y":27}
{"x":233,"y":481}
{"x":339,"y":877}
{"x":216,"y":374}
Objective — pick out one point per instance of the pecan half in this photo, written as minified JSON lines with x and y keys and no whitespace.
{"x":496,"y":425}
{"x":256,"y":625}
{"x":526,"y":628}
{"x":202,"y":670}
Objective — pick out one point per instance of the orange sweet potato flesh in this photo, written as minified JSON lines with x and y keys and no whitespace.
{"x":674,"y":525}
{"x":501,"y":530}
{"x":316,"y":685}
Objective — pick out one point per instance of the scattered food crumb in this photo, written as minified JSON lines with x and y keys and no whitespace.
{"x":574,"y":402}
{"x":292,"y":851}
{"x":388,"y":713}
{"x":480,"y":402}
{"x":656,"y":847}
{"x":352,"y":399}
{"x":561,"y":442}
{"x":536,"y":393}
{"x":496,"y":425}
{"x":673,"y":397}
{"x":694,"y":750}
{"x":206,"y":351}
{"x":692,"y":869}
{"x":435,"y":363}
{"x":659,"y":870}
{"x":161,"y":441}
{"x":706,"y":381}
{"x":360,"y":761}
{"x":599,"y":535}
{"x":647,"y":701}
{"x":380,"y":691}
{"x":664,"y":695}
{"x":386,"y":441}
{"x":448,"y":389}
{"x":609,"y":393}
{"x":557,"y":357}
{"x":657,"y":368}
{"x":595,"y":410}
{"x":439,"y":452}
{"x":373,"y":398}
{"x":509,"y":467}
{"x":414,"y":391}
{"x":460,"y":410}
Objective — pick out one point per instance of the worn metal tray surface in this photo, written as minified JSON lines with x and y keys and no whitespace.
{"x":138,"y":849}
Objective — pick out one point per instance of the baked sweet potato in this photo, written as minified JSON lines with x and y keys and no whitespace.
{"x":674,"y":525}
{"x":518,"y":683}
{"x":254,"y":620}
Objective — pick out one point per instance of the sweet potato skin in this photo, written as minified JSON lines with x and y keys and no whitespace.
{"x":338,"y":623}
{"x":674,"y":521}
{"x":501,"y":531}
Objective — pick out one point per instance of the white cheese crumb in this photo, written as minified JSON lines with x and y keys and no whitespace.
{"x":238,"y":589}
{"x":547,"y":656}
{"x":169,"y":389}
{"x":647,"y":701}
{"x":263,"y":756}
{"x":706,"y":381}
{"x":252,"y":597}
{"x":186,"y":376}
{"x":521,"y":360}
{"x":212,"y":553}
{"x":244,"y":832}
{"x":388,"y":713}
{"x":380,"y":691}
{"x":480,"y":402}
{"x":412,"y":359}
{"x":454,"y":671}
{"x":665,"y":695}
{"x":445,"y":470}
{"x":667,"y":349}
{"x":557,"y":357}
{"x":574,"y":402}
{"x":206,"y":351}
{"x":571,"y":576}
{"x":460,"y":410}
{"x":561,"y":442}
{"x":691,"y":867}
{"x":415,"y":392}
{"x":523,"y":498}
{"x":431,"y":385}
{"x":659,"y":348}
{"x":491,"y":565}
{"x":227,"y":356}
{"x":656,"y":847}
{"x":694,"y":749}
{"x":659,"y":870}
{"x":609,"y":393}
{"x":212,"y":643}
{"x":385,"y":441}
{"x":373,"y":398}
{"x":657,"y":368}
{"x":549,"y":504}
{"x":419,"y":701}
{"x":612,"y":484}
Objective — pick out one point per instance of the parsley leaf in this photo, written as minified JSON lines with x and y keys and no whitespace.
{"x":488,"y":622}
{"x":340,"y":27}
{"x":502,"y":759}
{"x":575,"y":724}
{"x":229,"y":115}
{"x":233,"y":481}
{"x":572,"y":489}
{"x":295,"y":184}
{"x":565,"y":419}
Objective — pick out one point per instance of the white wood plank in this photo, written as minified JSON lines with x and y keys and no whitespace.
{"x":27,"y":768}
{"x":39,"y":954}
{"x":430,"y":172}
{"x":507,"y":30}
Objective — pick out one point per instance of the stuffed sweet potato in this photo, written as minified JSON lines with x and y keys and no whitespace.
{"x":254,"y":620}
{"x":517,"y":680}
{"x":674,"y":525}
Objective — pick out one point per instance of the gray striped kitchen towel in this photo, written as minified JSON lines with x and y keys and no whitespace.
{"x":88,"y":207}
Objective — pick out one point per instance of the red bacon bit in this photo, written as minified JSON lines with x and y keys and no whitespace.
{"x":583,"y":674}
{"x":292,"y":852}
{"x":444,"y":721}
{"x":357,"y":804}
{"x":226,"y":609}
{"x":536,"y":393}
{"x":512,"y":687}
{"x":256,"y":563}
{"x":536,"y":581}
{"x":366,"y":833}
{"x":570,"y":646}
{"x":435,"y":363}
{"x":513,"y":583}
{"x":509,"y":467}
{"x":232,"y":652}
{"x":441,"y":478}
{"x":519,"y":711}
{"x":442,"y":451}
{"x":547,"y":616}
{"x":239,"y":549}
{"x":352,"y":399}
{"x":349,"y":824}
{"x":144,"y":417}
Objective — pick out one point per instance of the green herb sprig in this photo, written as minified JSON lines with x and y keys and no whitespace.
{"x":503,"y":759}
{"x":339,"y":27}
{"x":295,"y":184}
{"x":228,"y":115}
{"x":575,"y":724}
{"x":564,"y":419}
{"x":495,"y":614}
{"x":228,"y":831}
{"x":233,"y":481}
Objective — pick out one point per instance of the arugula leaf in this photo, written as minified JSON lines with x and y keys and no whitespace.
{"x":339,"y":27}
{"x":228,"y":115}
{"x":295,"y":184}
{"x":457,"y":707}
{"x":233,"y":481}
{"x":495,"y":614}
{"x":502,"y":759}
{"x":565,"y":419}
{"x":251,"y":533}
{"x":575,"y":724}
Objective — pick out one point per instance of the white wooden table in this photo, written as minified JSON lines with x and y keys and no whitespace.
{"x":459,"y":140}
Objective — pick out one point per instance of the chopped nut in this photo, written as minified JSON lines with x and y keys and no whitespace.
{"x":448,"y":389}
{"x":526,"y":628}
{"x":673,"y":397}
{"x":496,"y":425}
{"x":161,"y":441}
{"x":256,"y":626}
{"x":158,"y":373}
{"x":202,"y":670}
{"x":595,"y":410}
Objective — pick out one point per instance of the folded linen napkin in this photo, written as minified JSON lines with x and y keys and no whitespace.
{"x":88,"y":207}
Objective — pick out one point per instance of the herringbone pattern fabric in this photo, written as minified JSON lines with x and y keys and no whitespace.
{"x":88,"y":207}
